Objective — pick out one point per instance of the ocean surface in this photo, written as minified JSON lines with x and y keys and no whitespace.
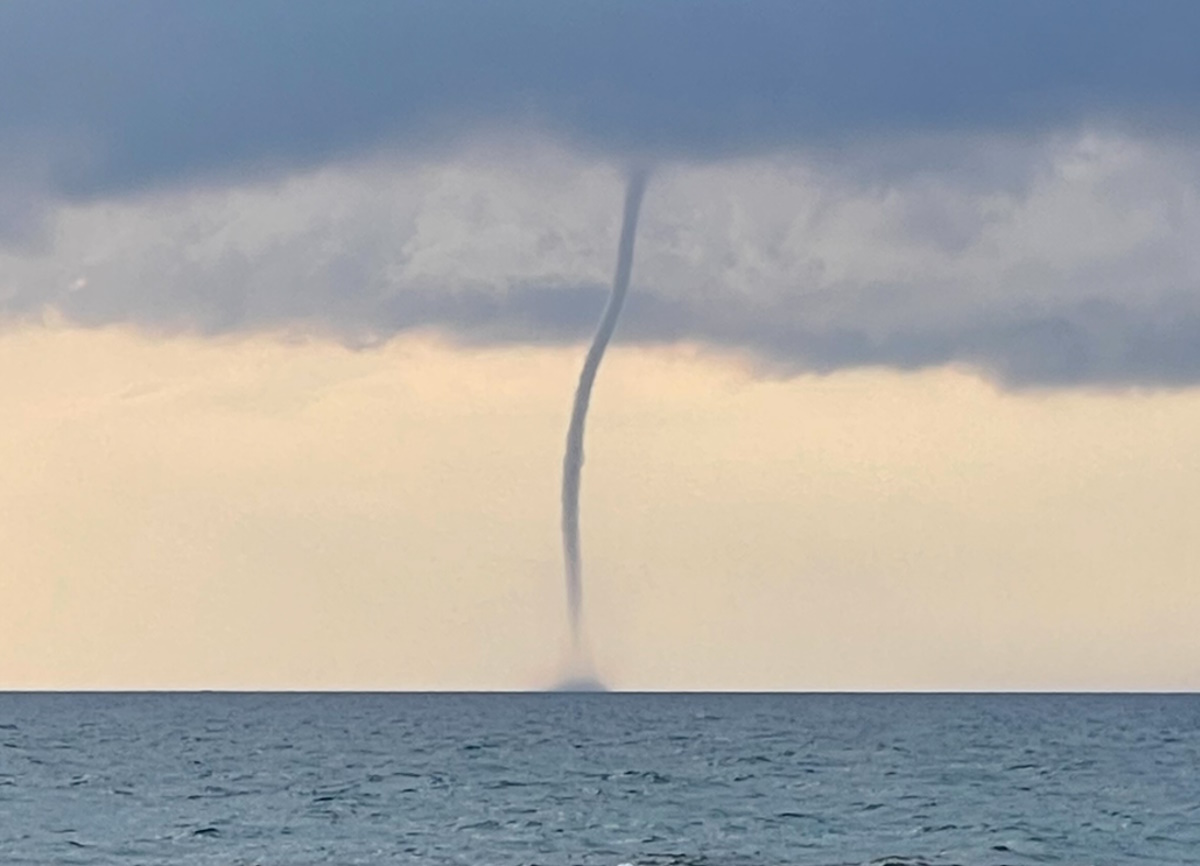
{"x":660,"y":779}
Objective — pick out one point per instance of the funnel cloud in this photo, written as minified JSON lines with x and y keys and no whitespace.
{"x":573,"y":458}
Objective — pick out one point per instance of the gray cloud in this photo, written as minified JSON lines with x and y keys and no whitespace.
{"x":135,"y":93}
{"x":1071,"y":260}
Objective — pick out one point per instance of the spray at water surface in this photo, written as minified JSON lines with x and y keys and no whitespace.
{"x":573,"y":458}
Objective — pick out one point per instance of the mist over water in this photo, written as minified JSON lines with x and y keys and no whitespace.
{"x":573,"y":458}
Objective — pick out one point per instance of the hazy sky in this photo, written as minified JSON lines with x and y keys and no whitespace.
{"x":293,"y":298}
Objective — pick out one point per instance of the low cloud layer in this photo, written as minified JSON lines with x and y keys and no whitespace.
{"x":1048,"y":260}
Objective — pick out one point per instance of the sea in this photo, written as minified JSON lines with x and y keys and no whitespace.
{"x":558,"y":778}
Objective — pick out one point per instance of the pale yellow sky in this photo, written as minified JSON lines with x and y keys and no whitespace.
{"x":259,"y":513}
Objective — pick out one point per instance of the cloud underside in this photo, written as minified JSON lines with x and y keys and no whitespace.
{"x":1058,"y":259}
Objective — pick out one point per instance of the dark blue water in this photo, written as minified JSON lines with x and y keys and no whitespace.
{"x":599,"y":779}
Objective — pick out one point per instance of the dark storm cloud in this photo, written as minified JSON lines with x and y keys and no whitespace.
{"x":111,"y":96}
{"x":1008,"y":185}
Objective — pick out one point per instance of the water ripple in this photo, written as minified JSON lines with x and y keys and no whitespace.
{"x":600,"y":780}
